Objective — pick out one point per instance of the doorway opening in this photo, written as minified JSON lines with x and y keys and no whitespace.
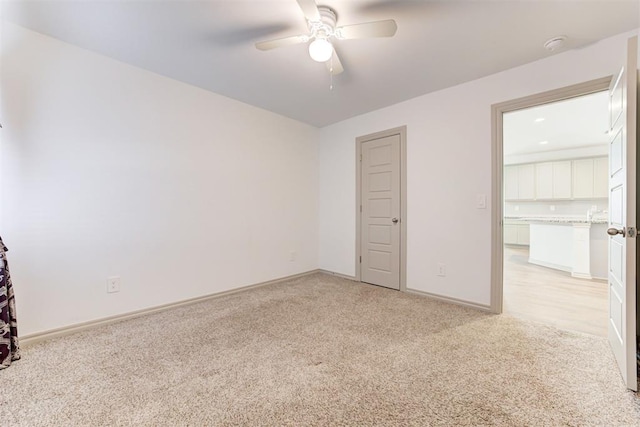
{"x":555,"y":213}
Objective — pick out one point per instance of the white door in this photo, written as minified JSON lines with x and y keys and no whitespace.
{"x":622,"y":217}
{"x":380,"y":220}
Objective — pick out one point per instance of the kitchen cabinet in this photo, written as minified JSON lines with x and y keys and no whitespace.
{"x":515,"y":232}
{"x":544,"y":180}
{"x":558,"y":180}
{"x":553,"y":180}
{"x":511,"y":183}
{"x":590,"y":178}
{"x":519,"y":182}
{"x":562,"y":180}
{"x":526,"y":182}
{"x":583,"y":179}
{"x":601,"y":177}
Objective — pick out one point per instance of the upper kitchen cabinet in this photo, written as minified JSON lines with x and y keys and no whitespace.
{"x":553,"y":180}
{"x":601,"y":177}
{"x":557,"y":180}
{"x":511,"y":183}
{"x":562,"y":180}
{"x":526,"y":182}
{"x":590,"y":178}
{"x":519,"y":182}
{"x":544,"y":180}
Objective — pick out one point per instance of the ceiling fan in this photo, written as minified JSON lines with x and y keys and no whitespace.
{"x":321,"y":21}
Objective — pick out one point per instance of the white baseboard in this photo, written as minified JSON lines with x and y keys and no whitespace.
{"x":581,"y":275}
{"x":78,"y":327}
{"x":67,"y":330}
{"x":550,"y":265}
{"x":332,"y":273}
{"x":450,"y":300}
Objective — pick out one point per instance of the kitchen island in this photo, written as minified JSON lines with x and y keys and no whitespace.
{"x":571,"y":244}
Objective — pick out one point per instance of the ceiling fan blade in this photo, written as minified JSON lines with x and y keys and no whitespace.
{"x":286,"y":41}
{"x":334,"y":65}
{"x":310,"y":9}
{"x":386,"y":28}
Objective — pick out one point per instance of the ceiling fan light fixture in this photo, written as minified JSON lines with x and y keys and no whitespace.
{"x":320,"y":50}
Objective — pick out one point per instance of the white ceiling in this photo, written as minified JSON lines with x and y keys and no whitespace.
{"x":210,"y":44}
{"x":574,"y":123}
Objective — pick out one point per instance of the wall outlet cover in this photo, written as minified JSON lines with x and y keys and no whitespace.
{"x":113,"y":284}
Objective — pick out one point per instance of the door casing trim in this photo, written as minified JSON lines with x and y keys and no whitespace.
{"x":402,"y":131}
{"x":497,"y":110}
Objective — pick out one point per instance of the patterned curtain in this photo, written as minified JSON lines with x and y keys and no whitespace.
{"x":9,"y":348}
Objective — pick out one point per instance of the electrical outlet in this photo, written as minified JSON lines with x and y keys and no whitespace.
{"x":113,"y":284}
{"x":442,"y":270}
{"x":292,"y":256}
{"x":552,"y":207}
{"x":516,"y":208}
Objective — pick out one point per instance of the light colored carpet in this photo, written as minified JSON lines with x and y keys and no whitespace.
{"x":318,"y":351}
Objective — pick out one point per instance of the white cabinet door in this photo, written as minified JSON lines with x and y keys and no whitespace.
{"x":583,"y":179}
{"x":544,"y":180}
{"x":511,"y":183}
{"x":526,"y":182}
{"x":601,"y":177}
{"x":510,"y":234}
{"x":562,"y":180}
{"x":523,"y":234}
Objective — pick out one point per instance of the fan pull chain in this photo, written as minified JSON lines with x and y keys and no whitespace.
{"x":331,"y":74}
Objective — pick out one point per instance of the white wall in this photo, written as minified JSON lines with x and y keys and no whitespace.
{"x":107,"y":170}
{"x":449,"y":163}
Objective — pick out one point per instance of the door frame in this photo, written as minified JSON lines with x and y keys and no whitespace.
{"x":402,"y":132}
{"x":497,"y":160}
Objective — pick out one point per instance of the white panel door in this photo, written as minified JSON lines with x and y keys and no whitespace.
{"x":380,"y":222}
{"x":622,"y":218}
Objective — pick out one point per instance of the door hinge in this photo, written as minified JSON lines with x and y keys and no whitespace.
{"x":360,"y":157}
{"x":361,"y":259}
{"x":360,"y":208}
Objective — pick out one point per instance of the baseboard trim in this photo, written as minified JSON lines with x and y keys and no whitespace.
{"x":31,"y":339}
{"x":456,"y":301}
{"x":550,"y":265}
{"x":451,"y":300}
{"x":333,"y":273}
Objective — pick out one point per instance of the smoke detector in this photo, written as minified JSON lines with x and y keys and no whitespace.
{"x":555,"y":43}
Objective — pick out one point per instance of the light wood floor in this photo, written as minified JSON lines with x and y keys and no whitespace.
{"x":553,"y":297}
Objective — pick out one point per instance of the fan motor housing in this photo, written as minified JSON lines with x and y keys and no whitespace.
{"x":328,"y":16}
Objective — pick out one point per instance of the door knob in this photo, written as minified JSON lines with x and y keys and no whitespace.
{"x":613,"y":231}
{"x":394,"y":220}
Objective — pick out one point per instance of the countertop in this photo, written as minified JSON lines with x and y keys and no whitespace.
{"x":567,"y":219}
